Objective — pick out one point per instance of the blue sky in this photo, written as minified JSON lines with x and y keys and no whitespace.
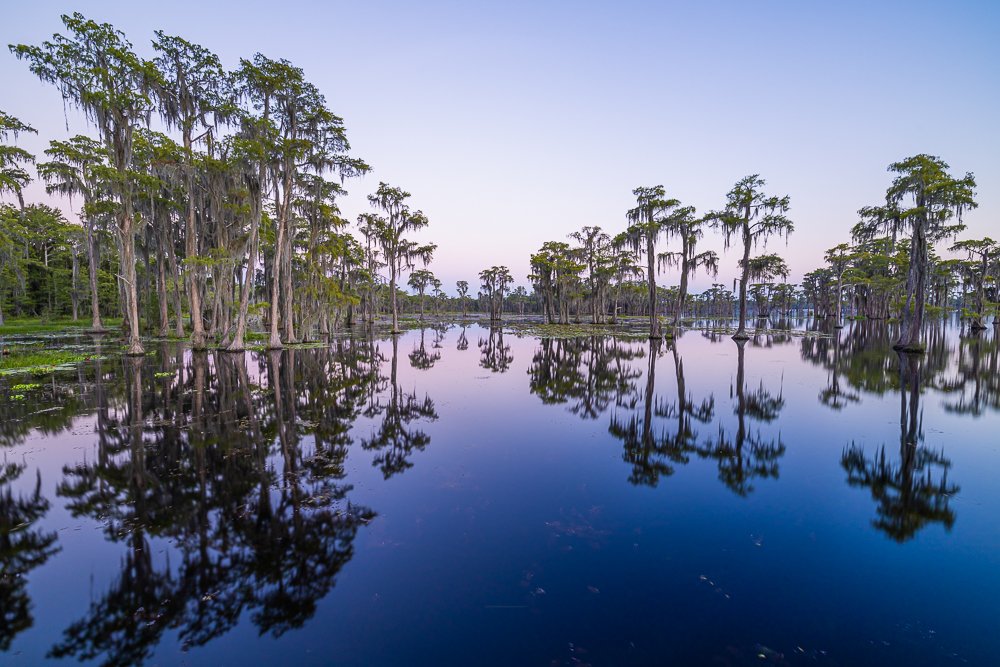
{"x":517,"y":123}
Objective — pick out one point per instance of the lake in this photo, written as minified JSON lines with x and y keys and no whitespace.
{"x":466,"y":496}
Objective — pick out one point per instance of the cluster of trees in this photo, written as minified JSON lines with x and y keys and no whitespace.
{"x":230,"y":211}
{"x":599,"y":268}
{"x":885,"y":272}
{"x":890,"y":270}
{"x":42,"y":259}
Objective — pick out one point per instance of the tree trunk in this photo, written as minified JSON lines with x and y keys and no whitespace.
{"x":286,"y":281}
{"x":127,"y":230}
{"x":682,"y":290}
{"x":392,"y":297}
{"x":161,"y":294}
{"x":274,"y":341}
{"x":92,"y":261}
{"x":840,"y":300}
{"x":237,"y":344}
{"x":191,"y":256}
{"x":977,"y":322}
{"x":654,"y":323}
{"x":916,"y":281}
{"x":74,"y":294}
{"x":741,"y":332}
{"x":175,"y":278}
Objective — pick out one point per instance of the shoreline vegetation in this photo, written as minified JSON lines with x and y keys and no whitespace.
{"x":226,"y":226}
{"x":39,"y":347}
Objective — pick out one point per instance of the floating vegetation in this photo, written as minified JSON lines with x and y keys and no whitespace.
{"x":40,"y":362}
{"x":798,"y":333}
{"x":543,"y":330}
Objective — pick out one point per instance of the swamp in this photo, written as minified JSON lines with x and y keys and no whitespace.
{"x":467,"y":494}
{"x":558,"y":334}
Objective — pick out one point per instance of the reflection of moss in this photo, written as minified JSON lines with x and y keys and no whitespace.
{"x":38,"y":362}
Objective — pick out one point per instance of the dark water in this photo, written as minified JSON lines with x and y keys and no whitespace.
{"x":465,"y":497}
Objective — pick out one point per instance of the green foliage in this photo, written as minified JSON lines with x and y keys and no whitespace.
{"x":13,"y":176}
{"x":38,"y":250}
{"x":38,"y":362}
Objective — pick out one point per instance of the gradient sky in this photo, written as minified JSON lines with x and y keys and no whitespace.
{"x":518,"y":123}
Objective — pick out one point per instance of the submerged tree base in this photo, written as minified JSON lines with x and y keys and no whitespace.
{"x":909,"y":348}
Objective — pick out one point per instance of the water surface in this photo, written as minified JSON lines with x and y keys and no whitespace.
{"x":466,"y":496}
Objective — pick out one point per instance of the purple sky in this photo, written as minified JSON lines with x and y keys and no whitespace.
{"x":518,"y":123}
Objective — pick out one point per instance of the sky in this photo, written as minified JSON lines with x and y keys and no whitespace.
{"x":517,"y":123}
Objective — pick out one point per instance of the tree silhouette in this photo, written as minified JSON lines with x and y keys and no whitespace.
{"x":746,"y":455}
{"x":915,"y":492}
{"x":752,"y":216}
{"x":395,"y":440}
{"x":495,"y":354}
{"x":662,"y":435}
{"x":652,"y":217}
{"x":23,"y":547}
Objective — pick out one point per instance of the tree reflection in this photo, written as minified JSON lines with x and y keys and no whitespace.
{"x":589,"y":373}
{"x":861,"y":360}
{"x":915,"y":492}
{"x":827,"y":351}
{"x":244,"y":476}
{"x":662,"y":435}
{"x":123,"y":488}
{"x":395,"y":439}
{"x":23,"y":547}
{"x":974,"y":387}
{"x":496,"y":355}
{"x":420,"y":358}
{"x":747,"y":455}
{"x":768,"y":338}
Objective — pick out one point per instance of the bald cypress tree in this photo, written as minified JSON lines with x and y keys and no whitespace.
{"x":193,"y":97}
{"x":983,"y":255}
{"x":653,"y":215}
{"x":928,"y":201}
{"x":751,"y":216}
{"x":399,"y":252}
{"x":78,"y":166}
{"x":95,"y":69}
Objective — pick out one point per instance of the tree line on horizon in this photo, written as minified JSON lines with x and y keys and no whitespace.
{"x":231,"y":214}
{"x":891,"y":269}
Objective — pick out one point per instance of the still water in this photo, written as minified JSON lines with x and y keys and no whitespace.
{"x":461,"y":496}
